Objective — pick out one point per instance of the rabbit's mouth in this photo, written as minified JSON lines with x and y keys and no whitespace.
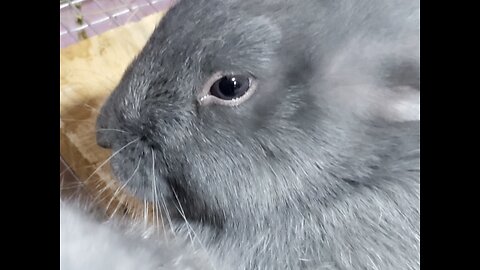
{"x":144,"y":181}
{"x":166,"y":194}
{"x":140,"y":178}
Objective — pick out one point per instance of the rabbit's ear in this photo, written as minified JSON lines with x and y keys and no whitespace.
{"x":397,"y":104}
{"x":368,"y":99}
{"x":401,"y":100}
{"x":401,"y":104}
{"x":366,"y":81}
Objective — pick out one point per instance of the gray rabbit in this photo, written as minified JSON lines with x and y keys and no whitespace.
{"x":285,"y":132}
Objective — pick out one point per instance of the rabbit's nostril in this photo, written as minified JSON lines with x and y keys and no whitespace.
{"x":103,"y":140}
{"x":143,"y":138}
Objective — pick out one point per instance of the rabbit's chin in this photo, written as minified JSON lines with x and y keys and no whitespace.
{"x":90,"y":243}
{"x":158,"y":193}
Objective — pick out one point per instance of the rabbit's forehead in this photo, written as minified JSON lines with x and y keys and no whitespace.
{"x":214,"y":37}
{"x":245,"y":46}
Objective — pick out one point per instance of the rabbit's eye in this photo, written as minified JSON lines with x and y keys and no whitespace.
{"x":229,"y":90}
{"x":230,"y":87}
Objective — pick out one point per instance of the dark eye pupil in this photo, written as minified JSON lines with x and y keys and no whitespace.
{"x":230,"y":87}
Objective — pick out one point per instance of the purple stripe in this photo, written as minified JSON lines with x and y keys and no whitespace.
{"x":102,"y":15}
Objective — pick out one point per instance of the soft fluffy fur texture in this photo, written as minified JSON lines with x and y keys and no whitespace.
{"x":89,"y":242}
{"x":319,"y":169}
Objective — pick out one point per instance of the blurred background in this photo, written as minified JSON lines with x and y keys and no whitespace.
{"x":82,"y":19}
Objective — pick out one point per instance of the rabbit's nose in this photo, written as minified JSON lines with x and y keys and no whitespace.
{"x":103,"y":133}
{"x":104,"y":129}
{"x":103,"y":139}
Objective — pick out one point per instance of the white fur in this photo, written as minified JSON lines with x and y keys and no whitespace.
{"x":88,"y":243}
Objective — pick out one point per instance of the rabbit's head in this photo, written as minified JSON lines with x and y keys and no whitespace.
{"x":235,"y":116}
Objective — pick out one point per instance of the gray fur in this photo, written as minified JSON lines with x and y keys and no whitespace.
{"x":319,"y":169}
